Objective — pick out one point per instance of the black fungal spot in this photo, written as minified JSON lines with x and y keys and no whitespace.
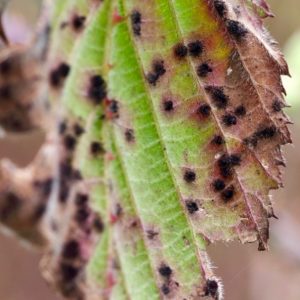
{"x":195,"y":48}
{"x":64,"y":70}
{"x":66,"y":169}
{"x":236,"y":29}
{"x":261,"y":134}
{"x":96,"y":148}
{"x":218,"y":140}
{"x":228,"y":193}
{"x":152,"y":78}
{"x":76,"y":175}
{"x":165,"y":271}
{"x":63,"y":25}
{"x":168,"y":105}
{"x":229,"y":120}
{"x":227,"y":162}
{"x":54,"y":78}
{"x":191,"y":206}
{"x":218,"y":185}
{"x":211,"y":288}
{"x":64,"y":192}
{"x":6,"y":66}
{"x":240,"y":111}
{"x":62,"y":127}
{"x":98,"y":224}
{"x":45,"y":186}
{"x":78,"y":130}
{"x":204,"y":110}
{"x":69,"y":142}
{"x":129,"y":135}
{"x":78,"y":22}
{"x":250,"y":141}
{"x":71,"y":249}
{"x":203,"y":70}
{"x":165,"y":289}
{"x":114,"y":106}
{"x":58,"y":75}
{"x":158,"y":67}
{"x":158,"y":70}
{"x":39,"y":212}
{"x":189,"y":176}
{"x":118,"y":210}
{"x":277,"y":105}
{"x":235,"y":159}
{"x":266,"y":133}
{"x":68,"y":272}
{"x":12,"y":204}
{"x":97,"y":89}
{"x":81,"y":199}
{"x":151,"y":234}
{"x":219,"y":98}
{"x":6,"y":92}
{"x":82,"y":215}
{"x":136,"y":21}
{"x":180,"y":50}
{"x":220,"y":8}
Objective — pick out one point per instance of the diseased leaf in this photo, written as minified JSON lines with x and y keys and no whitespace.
{"x":166,"y":130}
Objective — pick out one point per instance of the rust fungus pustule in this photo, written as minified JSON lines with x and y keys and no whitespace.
{"x":204,"y":69}
{"x":59,"y":74}
{"x":228,"y":193}
{"x":219,"y":98}
{"x":165,"y":289}
{"x":226,"y":163}
{"x":12,"y":204}
{"x":98,"y":224}
{"x":78,"y":130}
{"x":68,"y":272}
{"x":97,"y":89}
{"x":113,"y":107}
{"x":6,"y":66}
{"x":71,"y":249}
{"x":70,"y":142}
{"x":217,"y":140}
{"x":96,"y":148}
{"x":267,"y":132}
{"x":158,"y":70}
{"x":62,"y":127}
{"x":229,"y":120}
{"x":220,"y":8}
{"x":204,"y":110}
{"x":218,"y":185}
{"x":151,"y":234}
{"x":240,"y":111}
{"x":191,"y":206}
{"x":211,"y":288}
{"x":136,"y":22}
{"x":81,"y":199}
{"x":236,"y":29}
{"x":195,"y":48}
{"x":129,"y":135}
{"x":180,"y":51}
{"x":168,"y":105}
{"x":44,"y":186}
{"x":277,"y":105}
{"x":78,"y":22}
{"x":165,"y":271}
{"x":189,"y":176}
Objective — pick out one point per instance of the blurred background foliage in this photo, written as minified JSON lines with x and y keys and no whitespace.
{"x":247,"y":274}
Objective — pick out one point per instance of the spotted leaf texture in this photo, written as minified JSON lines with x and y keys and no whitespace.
{"x":165,"y":136}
